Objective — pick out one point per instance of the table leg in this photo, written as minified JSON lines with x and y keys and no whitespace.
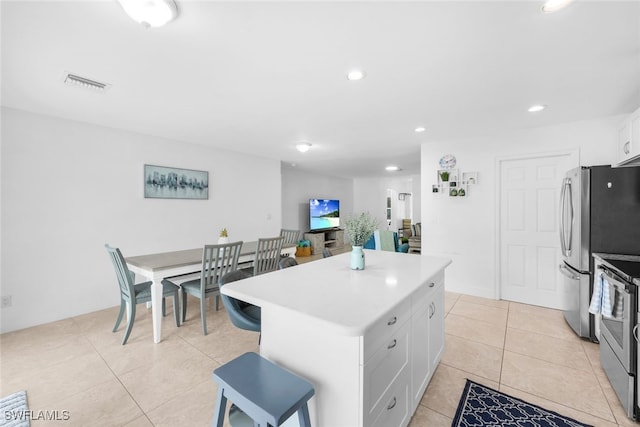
{"x":156,"y":308}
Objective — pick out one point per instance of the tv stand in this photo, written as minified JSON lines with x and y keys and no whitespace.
{"x":320,"y":239}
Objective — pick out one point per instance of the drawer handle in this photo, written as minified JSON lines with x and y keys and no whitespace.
{"x":392,"y":404}
{"x":393,"y":344}
{"x":626,"y":147}
{"x":392,"y":321}
{"x":432,"y":284}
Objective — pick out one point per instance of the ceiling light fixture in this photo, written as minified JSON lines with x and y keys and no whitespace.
{"x":420,"y":129}
{"x":392,"y":168}
{"x":85,"y":83}
{"x":354,"y":75}
{"x":303,"y":147}
{"x":551,"y":6}
{"x":150,"y":13}
{"x":536,"y":108}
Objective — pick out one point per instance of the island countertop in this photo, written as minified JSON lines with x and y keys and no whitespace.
{"x":329,"y":292}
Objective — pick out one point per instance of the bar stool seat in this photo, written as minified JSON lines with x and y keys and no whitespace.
{"x":265,"y":392}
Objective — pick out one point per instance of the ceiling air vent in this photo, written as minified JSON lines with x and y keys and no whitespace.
{"x":85,"y":83}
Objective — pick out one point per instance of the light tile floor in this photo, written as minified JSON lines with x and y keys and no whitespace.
{"x":78,"y":365}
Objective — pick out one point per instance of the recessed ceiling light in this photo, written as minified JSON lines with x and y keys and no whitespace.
{"x":150,"y":13}
{"x":392,"y":168}
{"x":355,"y":75}
{"x":420,"y":129}
{"x":303,"y":147}
{"x":536,"y":108}
{"x":551,"y":6}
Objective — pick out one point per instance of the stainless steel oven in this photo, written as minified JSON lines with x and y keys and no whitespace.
{"x":617,"y":343}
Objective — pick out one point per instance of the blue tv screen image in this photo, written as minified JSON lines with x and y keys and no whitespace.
{"x":324,"y":213}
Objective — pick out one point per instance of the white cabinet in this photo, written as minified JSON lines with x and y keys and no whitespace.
{"x":628,"y":141}
{"x":427,"y":336}
{"x":386,"y":385}
{"x":436,"y":327}
{"x":360,"y":338}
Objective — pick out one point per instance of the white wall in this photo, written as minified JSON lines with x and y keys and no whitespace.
{"x":299,"y":186}
{"x":68,"y":188}
{"x":370,"y":195}
{"x":465,"y":228}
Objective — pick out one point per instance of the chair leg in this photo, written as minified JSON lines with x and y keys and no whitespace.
{"x":203,"y":314}
{"x":184,"y":305}
{"x":303,"y":416}
{"x":164,"y":307}
{"x":119,"y":319}
{"x":132,"y":316}
{"x":217,"y":301}
{"x":176,"y":308}
{"x":221,"y":406}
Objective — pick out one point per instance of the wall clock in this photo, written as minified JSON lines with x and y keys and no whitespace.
{"x":447,"y":161}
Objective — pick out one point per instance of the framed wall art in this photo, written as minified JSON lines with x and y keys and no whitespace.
{"x":163,"y":182}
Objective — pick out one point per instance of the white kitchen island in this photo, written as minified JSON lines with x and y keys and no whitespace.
{"x":368,"y":340}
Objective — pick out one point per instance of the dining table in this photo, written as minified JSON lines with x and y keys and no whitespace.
{"x":158,"y":266}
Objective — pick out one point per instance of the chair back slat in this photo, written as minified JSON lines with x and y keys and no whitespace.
{"x":290,"y":236}
{"x":267,"y":255}
{"x":126,"y":278}
{"x":218,"y":260}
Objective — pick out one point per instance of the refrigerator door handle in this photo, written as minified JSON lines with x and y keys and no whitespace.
{"x":566,"y":235}
{"x":566,"y":272}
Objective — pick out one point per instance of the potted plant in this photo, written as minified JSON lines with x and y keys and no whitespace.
{"x":444,"y":176}
{"x":224,"y":237}
{"x":359,"y":228}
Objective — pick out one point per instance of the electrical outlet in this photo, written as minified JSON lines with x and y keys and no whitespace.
{"x":6,"y":301}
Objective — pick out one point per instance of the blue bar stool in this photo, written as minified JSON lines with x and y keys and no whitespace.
{"x":265,"y":392}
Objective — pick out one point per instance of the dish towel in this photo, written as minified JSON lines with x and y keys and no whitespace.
{"x":601,"y":298}
{"x":618,"y":305}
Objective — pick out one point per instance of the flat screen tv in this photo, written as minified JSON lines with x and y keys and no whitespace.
{"x":324,"y":214}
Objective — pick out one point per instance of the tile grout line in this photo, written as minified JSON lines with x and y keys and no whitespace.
{"x":116,"y":377}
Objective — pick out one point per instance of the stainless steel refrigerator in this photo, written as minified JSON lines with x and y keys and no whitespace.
{"x":599,"y":212}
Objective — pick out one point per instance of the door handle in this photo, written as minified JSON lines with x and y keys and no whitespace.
{"x":563,"y":190}
{"x":635,"y":333}
{"x":392,"y":404}
{"x":566,"y":205}
{"x":566,"y":272}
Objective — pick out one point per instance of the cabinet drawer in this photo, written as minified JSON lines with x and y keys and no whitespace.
{"x":423,"y":296}
{"x":385,"y":327}
{"x":384,"y":369}
{"x":394,"y":410}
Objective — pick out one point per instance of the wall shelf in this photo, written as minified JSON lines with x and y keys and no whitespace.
{"x":456,"y":185}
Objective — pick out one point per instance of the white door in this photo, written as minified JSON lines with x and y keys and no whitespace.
{"x":529,"y":239}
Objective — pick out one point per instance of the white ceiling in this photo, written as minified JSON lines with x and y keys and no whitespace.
{"x":258,"y":77}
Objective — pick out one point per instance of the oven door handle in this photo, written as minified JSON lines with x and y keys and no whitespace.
{"x":635,"y":333}
{"x":613,"y":279}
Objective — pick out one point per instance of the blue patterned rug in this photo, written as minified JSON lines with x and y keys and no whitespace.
{"x":483,"y":406}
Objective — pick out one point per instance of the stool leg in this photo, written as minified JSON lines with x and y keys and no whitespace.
{"x":303,"y":416}
{"x":221,"y":406}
